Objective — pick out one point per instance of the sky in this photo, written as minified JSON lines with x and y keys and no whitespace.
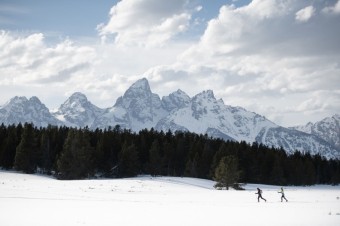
{"x":278,"y":58}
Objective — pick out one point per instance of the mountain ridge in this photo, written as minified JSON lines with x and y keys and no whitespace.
{"x":138,"y":108}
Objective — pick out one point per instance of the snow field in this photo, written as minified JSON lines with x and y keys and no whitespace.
{"x":34,"y":200}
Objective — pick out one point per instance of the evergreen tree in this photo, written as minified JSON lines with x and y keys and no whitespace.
{"x":192,"y":166}
{"x":277,"y":174}
{"x":76,"y":160}
{"x":128,"y":163}
{"x":155,"y":164}
{"x":8,"y":148}
{"x":205,"y":161}
{"x":221,"y":152}
{"x":45,"y":150}
{"x":103,"y":158}
{"x":25,"y":158}
{"x":168,"y":158}
{"x":227,"y":173}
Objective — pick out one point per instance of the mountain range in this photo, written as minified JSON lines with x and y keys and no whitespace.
{"x":139,"y":108}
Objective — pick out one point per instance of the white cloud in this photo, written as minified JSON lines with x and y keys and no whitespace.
{"x":30,"y":67}
{"x":305,"y":14}
{"x":256,"y":56}
{"x":333,"y":9}
{"x":146,"y":22}
{"x":27,"y":59}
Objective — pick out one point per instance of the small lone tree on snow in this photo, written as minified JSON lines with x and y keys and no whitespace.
{"x":226,"y":173}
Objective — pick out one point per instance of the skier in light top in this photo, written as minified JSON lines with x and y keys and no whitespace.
{"x":282,"y":195}
{"x":259,"y":195}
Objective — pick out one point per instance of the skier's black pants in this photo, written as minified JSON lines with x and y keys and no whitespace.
{"x":260,"y":197}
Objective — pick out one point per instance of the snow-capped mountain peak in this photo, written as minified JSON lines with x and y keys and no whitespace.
{"x":207,"y":94}
{"x":15,"y":100}
{"x":144,"y":108}
{"x":77,"y":111}
{"x":21,"y":110}
{"x":77,"y":102}
{"x":141,"y":84}
{"x":175,"y":100}
{"x":327,"y":129}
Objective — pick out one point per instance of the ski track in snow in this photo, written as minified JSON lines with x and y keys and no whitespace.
{"x":33,"y":200}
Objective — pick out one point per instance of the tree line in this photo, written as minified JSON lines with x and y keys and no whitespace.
{"x":79,"y":153}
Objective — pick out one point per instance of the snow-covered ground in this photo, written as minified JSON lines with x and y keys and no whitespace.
{"x":34,"y":200}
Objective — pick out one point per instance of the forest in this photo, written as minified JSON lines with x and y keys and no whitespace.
{"x":81,"y":153}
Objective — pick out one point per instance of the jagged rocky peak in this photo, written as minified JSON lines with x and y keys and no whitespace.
{"x":327,"y":129}
{"x":175,"y":100}
{"x":144,"y":108}
{"x":142,"y":84}
{"x":35,"y":99}
{"x":202,"y":102}
{"x":207,"y":94}
{"x":140,"y":87}
{"x":23,"y":102}
{"x":16,"y":100}
{"x":77,"y":97}
{"x":78,"y":111}
{"x":21,"y":110}
{"x":77,"y":101}
{"x":140,"y":90}
{"x":204,"y":99}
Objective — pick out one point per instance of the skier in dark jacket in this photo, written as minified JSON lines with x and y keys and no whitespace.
{"x":259,"y":195}
{"x":282,"y":195}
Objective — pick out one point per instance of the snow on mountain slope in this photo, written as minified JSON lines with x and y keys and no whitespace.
{"x":21,"y":110}
{"x":175,"y":100}
{"x":205,"y":114}
{"x":292,"y":140}
{"x":304,"y":128}
{"x":327,"y":129}
{"x":112,"y":117}
{"x":77,"y":111}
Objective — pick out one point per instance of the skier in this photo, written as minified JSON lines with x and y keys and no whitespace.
{"x":282,"y":195}
{"x":259,"y":195}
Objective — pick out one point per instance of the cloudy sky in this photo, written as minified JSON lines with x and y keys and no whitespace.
{"x":278,"y":58}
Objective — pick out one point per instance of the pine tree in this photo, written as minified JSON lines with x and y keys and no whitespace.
{"x":128,"y":163}
{"x":76,"y":161}
{"x":45,"y":150}
{"x":168,"y":158}
{"x":226,"y":172}
{"x":25,"y":158}
{"x":192,"y":166}
{"x":205,"y":161}
{"x":155,"y":164}
{"x":277,"y":174}
{"x":8,"y":148}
